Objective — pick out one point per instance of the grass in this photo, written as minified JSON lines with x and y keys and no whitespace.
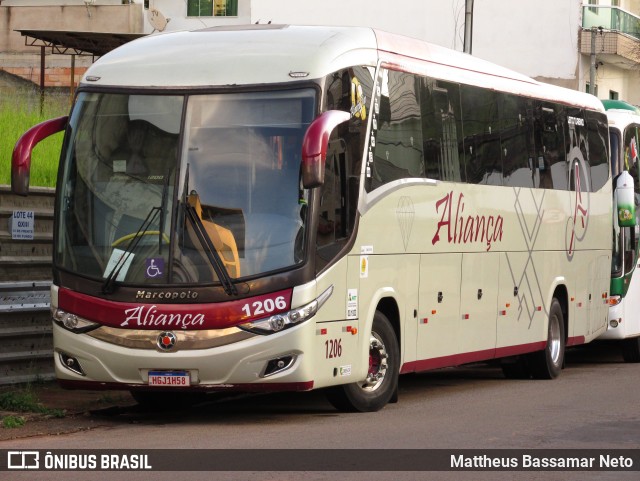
{"x":20,"y":110}
{"x":12,"y":422}
{"x":23,"y":401}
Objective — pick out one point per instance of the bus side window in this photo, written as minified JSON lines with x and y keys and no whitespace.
{"x":339,"y":193}
{"x":549,"y":165}
{"x":480,"y":121}
{"x":597,"y":127}
{"x":629,"y":162}
{"x":440,"y":106}
{"x":575,"y":136}
{"x":516,"y":140}
{"x":629,"y":249}
{"x":398,"y":140}
{"x":332,"y":223}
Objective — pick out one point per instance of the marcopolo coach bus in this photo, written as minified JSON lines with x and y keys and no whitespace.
{"x":624,"y":298}
{"x":273,"y":208}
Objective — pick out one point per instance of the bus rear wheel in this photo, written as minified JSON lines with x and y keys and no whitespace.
{"x":547,"y":364}
{"x":381,"y":382}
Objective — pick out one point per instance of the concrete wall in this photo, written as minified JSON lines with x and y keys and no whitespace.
{"x":25,"y":279}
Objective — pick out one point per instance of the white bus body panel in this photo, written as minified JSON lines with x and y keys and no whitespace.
{"x":478,"y":315}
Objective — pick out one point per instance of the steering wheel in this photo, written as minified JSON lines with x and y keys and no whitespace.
{"x":133,"y":235}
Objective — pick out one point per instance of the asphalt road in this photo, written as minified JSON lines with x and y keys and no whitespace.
{"x":592,"y":405}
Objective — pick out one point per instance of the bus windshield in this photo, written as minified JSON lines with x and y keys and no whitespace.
{"x":151,"y":197}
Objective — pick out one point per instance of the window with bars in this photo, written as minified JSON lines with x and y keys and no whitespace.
{"x":212,"y":8}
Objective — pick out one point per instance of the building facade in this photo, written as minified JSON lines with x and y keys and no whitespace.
{"x":588,"y":45}
{"x":21,"y":57}
{"x":549,"y":40}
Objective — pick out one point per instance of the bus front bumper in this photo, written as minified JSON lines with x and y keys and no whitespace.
{"x":257,"y":363}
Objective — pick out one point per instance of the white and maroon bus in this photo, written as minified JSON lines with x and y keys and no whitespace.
{"x":273,"y":208}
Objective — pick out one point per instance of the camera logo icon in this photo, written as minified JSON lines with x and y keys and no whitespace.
{"x":23,"y":460}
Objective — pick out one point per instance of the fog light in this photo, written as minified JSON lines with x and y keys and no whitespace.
{"x":613,"y":323}
{"x":70,"y":321}
{"x":71,"y":363}
{"x":278,"y":365}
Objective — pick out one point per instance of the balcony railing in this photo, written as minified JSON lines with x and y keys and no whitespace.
{"x":611,"y":18}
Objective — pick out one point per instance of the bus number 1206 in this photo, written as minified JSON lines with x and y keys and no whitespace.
{"x":333,"y":348}
{"x":265,"y":306}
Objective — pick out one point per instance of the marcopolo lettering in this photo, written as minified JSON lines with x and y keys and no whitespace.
{"x":166,"y":295}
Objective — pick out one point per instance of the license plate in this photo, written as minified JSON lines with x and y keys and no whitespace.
{"x":169,"y":378}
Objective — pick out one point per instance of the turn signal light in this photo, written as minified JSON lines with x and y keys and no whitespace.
{"x":614,"y":300}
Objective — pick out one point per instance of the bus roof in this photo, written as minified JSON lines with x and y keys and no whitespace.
{"x":619,"y":105}
{"x":267,"y":54}
{"x":620,"y":117}
{"x":237,"y":55}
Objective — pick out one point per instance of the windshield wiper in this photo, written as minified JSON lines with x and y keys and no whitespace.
{"x":109,"y":283}
{"x":205,"y":241}
{"x":210,"y":250}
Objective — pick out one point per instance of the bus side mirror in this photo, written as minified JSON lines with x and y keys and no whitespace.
{"x":625,"y":200}
{"x":21,"y":158}
{"x":314,"y":146}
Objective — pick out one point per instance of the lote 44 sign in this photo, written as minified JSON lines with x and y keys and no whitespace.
{"x":21,"y":225}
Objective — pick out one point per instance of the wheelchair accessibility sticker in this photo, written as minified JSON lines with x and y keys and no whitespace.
{"x":155,"y":267}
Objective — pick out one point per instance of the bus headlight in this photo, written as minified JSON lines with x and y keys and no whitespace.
{"x":285,"y":320}
{"x":71,"y":322}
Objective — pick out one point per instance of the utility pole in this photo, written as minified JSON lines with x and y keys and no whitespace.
{"x":592,"y":70}
{"x":594,"y":63}
{"x":468,"y":25}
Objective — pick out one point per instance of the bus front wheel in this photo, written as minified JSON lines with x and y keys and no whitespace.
{"x":547,"y":364}
{"x":381,"y":382}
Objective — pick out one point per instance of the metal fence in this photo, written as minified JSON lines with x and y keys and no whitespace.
{"x":26,"y":352}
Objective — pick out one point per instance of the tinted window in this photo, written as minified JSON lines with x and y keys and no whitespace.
{"x":616,"y":161}
{"x":598,"y":149}
{"x":441,"y":129}
{"x":631,"y":138}
{"x":397,"y":153}
{"x":483,"y":161}
{"x":516,"y":140}
{"x":575,"y":146}
{"x":348,"y":90}
{"x":550,"y":159}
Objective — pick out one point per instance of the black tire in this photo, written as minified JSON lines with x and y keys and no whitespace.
{"x":631,"y":349}
{"x":381,"y":384}
{"x":548,"y":363}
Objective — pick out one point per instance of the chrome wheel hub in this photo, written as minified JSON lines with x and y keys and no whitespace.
{"x":378,"y":363}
